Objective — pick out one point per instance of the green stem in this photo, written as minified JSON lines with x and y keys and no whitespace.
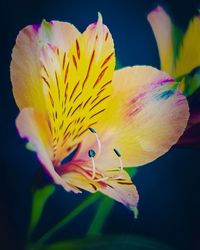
{"x":86,"y":203}
{"x":102,"y":213}
{"x":104,"y":209}
{"x":179,"y":78}
{"x":40,"y":197}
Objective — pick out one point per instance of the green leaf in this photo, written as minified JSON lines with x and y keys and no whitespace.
{"x":132,"y":171}
{"x":192,"y":82}
{"x":40,"y":197}
{"x":128,"y":242}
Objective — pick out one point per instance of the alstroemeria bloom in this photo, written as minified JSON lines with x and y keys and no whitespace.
{"x":180,"y":57}
{"x":73,"y":103}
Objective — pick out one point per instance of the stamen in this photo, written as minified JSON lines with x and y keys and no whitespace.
{"x":92,"y":154}
{"x":102,"y":179}
{"x":121,"y":163}
{"x":117,"y":152}
{"x":97,"y":139}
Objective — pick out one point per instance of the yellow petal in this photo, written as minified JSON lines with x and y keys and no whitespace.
{"x":146,"y":116}
{"x":77,"y":86}
{"x":162,"y":27}
{"x":25,"y":64}
{"x":189,"y":54}
{"x":33,"y":126}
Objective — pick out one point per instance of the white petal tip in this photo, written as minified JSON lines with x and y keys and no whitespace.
{"x":135,"y":212}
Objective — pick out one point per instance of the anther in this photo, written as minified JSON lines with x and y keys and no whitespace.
{"x":92,"y":130}
{"x":97,"y":139}
{"x":92,"y":154}
{"x":117,"y":152}
{"x":120,"y":160}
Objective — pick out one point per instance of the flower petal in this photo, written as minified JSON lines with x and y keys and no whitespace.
{"x":118,"y":186}
{"x":33,"y":126}
{"x":146,"y":116}
{"x":162,"y":27}
{"x":77,"y":86}
{"x":189,"y":54}
{"x":25,"y":65}
{"x":122,"y":190}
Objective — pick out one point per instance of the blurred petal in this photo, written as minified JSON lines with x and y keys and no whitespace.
{"x":189,"y":55}
{"x":162,"y":27}
{"x":33,"y":126}
{"x":77,"y":86}
{"x":25,"y":65}
{"x":146,"y":116}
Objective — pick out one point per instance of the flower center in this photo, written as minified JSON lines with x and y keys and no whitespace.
{"x":92,"y":154}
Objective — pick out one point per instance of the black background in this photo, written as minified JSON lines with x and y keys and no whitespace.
{"x":169,"y":188}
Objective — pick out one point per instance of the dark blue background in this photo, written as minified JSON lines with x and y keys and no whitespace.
{"x":169,"y":188}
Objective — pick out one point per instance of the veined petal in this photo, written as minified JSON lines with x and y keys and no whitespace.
{"x":25,"y":67}
{"x":33,"y":126}
{"x":122,"y":190}
{"x":25,"y":64}
{"x":118,"y":187}
{"x":77,"y":86}
{"x":146,"y":116}
{"x":162,"y":27}
{"x":189,"y":54}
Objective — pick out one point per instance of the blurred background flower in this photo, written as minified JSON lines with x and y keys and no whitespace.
{"x":180,"y":56}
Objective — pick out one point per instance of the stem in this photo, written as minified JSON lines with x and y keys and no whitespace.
{"x":87,"y":202}
{"x":179,"y":78}
{"x":40,"y":197}
{"x":102,"y":213}
{"x":104,"y":210}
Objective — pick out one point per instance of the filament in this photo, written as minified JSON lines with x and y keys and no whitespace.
{"x":102,"y":179}
{"x":121,"y":164}
{"x":93,"y":168}
{"x":97,"y":140}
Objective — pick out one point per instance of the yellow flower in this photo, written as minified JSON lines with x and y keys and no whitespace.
{"x":72,"y":104}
